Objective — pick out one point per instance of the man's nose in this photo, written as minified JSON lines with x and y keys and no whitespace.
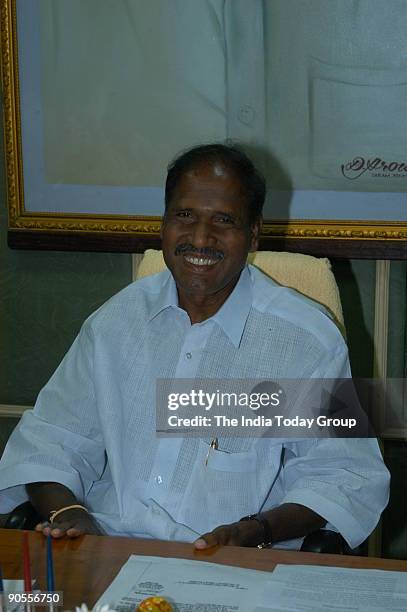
{"x":202,"y":234}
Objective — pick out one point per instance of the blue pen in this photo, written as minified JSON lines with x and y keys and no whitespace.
{"x":50,"y":566}
{"x":2,"y":601}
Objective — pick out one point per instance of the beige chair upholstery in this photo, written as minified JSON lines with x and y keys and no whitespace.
{"x":310,"y":276}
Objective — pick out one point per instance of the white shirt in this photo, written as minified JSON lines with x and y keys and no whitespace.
{"x":93,"y":426}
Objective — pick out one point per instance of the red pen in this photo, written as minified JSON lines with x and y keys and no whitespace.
{"x":27,"y":568}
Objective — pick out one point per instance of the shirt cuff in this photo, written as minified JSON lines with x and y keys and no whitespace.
{"x":340,"y":518}
{"x":11,"y":479}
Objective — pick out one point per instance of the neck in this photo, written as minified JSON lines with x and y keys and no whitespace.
{"x":200,"y":307}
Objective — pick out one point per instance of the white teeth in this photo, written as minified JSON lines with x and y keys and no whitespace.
{"x":200,"y":261}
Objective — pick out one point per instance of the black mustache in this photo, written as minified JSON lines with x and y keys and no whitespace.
{"x":205,"y":251}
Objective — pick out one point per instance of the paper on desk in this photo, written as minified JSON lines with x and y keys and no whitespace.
{"x":188,"y":585}
{"x":13,"y":586}
{"x":312,"y":588}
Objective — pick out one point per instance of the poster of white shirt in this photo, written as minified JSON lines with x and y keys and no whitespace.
{"x":112,"y":90}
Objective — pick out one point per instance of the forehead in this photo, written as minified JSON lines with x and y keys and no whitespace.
{"x":208,"y":182}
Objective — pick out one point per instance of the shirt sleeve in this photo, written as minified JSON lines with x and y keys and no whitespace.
{"x":61,"y":439}
{"x":344,"y":480}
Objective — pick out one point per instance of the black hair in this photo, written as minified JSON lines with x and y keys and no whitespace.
{"x":233,"y":159}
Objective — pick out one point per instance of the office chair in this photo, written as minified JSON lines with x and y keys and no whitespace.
{"x":309,"y":275}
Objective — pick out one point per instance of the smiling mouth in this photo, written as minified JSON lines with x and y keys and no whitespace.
{"x":200,"y":261}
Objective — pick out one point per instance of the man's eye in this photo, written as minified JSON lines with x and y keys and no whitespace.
{"x":225,"y":220}
{"x":183,"y":213}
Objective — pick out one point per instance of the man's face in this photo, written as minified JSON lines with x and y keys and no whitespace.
{"x":205,"y":234}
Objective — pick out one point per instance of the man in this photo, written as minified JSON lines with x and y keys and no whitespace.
{"x":88,"y":454}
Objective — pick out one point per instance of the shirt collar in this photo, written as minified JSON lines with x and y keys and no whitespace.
{"x":232,"y":315}
{"x":167,"y":296}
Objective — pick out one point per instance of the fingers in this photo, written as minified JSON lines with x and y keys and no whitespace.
{"x":74,"y":532}
{"x":44,"y":528}
{"x":69,"y":529}
{"x":224,"y":535}
{"x":59,"y":530}
{"x":202,"y":543}
{"x":242,"y":533}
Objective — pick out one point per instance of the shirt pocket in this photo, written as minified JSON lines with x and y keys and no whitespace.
{"x":229,"y":461}
{"x":220,"y":491}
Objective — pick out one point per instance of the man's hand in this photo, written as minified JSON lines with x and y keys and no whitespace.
{"x":71,"y":523}
{"x":286,"y":522}
{"x":46,"y":497}
{"x":242,"y":533}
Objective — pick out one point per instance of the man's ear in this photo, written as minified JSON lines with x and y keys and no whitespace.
{"x":254,"y":235}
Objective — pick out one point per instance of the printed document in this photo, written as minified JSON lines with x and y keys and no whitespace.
{"x":310,"y":588}
{"x":198,"y":586}
{"x":187,"y":585}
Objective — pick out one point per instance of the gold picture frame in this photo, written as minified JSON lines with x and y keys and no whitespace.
{"x":135,"y":233}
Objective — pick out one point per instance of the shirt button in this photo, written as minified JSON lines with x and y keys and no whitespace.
{"x":246,"y":115}
{"x":188,"y":355}
{"x":158,"y":479}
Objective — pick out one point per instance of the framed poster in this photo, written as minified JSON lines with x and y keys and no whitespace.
{"x":100,"y":96}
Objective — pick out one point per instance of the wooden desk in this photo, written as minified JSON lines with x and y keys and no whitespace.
{"x":86,"y":566}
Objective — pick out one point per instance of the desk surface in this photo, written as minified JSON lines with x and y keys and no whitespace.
{"x":86,"y":566}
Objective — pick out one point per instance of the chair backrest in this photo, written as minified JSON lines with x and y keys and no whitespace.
{"x":309,"y":275}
